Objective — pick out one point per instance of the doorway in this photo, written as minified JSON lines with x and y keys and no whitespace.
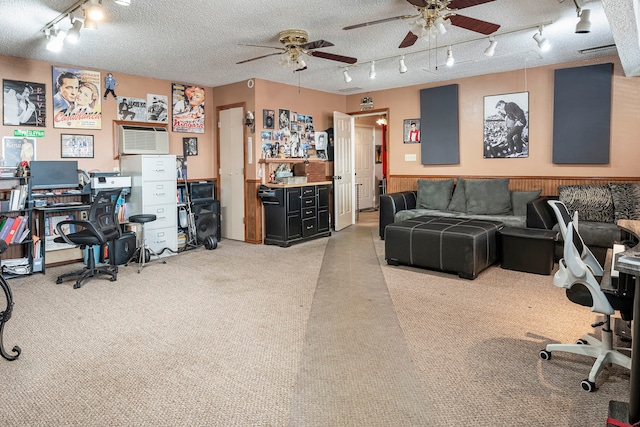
{"x":231,"y":173}
{"x":369,"y":144}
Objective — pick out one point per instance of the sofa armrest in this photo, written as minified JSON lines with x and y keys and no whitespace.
{"x":540,"y":214}
{"x":392,"y":203}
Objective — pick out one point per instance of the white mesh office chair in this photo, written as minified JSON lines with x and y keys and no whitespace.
{"x":582,"y":288}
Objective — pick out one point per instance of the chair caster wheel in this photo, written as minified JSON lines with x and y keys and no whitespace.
{"x":588,"y":386}
{"x":77,"y":285}
{"x":58,"y":281}
{"x":545,"y":355}
{"x":582,"y":342}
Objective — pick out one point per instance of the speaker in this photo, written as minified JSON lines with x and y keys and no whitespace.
{"x":207,"y":217}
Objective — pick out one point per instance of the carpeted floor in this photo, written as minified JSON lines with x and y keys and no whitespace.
{"x":323,"y":333}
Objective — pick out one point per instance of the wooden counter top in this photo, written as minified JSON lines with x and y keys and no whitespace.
{"x":303,"y":184}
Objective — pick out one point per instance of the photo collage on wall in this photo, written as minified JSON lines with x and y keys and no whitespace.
{"x":293,"y":138}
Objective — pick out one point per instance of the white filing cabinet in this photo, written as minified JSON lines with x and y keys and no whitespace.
{"x":153,"y":191}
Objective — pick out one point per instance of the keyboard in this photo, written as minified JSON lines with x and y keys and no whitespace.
{"x":63,"y":204}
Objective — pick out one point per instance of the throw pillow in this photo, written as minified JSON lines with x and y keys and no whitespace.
{"x":488,"y":196}
{"x":519,"y":200}
{"x":592,"y":201}
{"x":434,"y":194}
{"x":626,"y":201}
{"x":458,"y":201}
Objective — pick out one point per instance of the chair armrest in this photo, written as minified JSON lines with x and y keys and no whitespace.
{"x":392,"y":203}
{"x":77,"y":222}
{"x":540,"y":214}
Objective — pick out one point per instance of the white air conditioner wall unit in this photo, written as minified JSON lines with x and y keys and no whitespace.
{"x":142,"y":140}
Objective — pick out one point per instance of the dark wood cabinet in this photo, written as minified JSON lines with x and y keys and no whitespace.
{"x":296,"y":214}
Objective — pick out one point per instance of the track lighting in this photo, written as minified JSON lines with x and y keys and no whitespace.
{"x":450,"y":59}
{"x":584,"y":24}
{"x":74,"y":32}
{"x":372,"y":70}
{"x":347,"y":77}
{"x":94,"y":10}
{"x":403,"y":66}
{"x":56,"y":39}
{"x":489,"y":51}
{"x":543,"y":43}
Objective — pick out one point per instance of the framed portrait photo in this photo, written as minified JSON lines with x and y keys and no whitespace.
{"x":76,"y":146}
{"x":190,"y":146}
{"x":268,"y":119}
{"x":411,"y":131}
{"x":506,"y":125}
{"x":15,"y":150}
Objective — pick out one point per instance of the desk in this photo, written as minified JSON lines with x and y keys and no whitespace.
{"x":629,"y":262}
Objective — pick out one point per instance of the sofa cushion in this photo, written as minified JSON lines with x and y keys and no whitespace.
{"x":592,"y":201}
{"x":597,"y":234}
{"x":626,"y":201}
{"x":434,"y":194}
{"x":519,"y":200}
{"x":412,"y":213}
{"x":488,"y":196}
{"x":458,"y":201}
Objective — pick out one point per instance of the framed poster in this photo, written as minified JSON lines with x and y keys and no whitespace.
{"x":268,"y":119}
{"x":283,"y":119}
{"x":411,"y":131}
{"x":76,"y":146}
{"x":188,"y":108}
{"x":17,"y":150}
{"x":190,"y":146}
{"x":77,"y":103}
{"x":157,"y":108}
{"x":506,"y":125}
{"x":132,"y":109}
{"x":24,"y":103}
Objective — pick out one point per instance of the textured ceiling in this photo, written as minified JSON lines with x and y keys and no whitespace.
{"x":200,"y":41}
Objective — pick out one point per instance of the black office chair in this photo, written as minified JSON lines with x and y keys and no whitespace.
{"x":101,"y":227}
{"x":577,"y":277}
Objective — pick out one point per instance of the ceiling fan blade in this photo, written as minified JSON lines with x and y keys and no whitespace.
{"x":409,"y":40}
{"x":418,"y":3}
{"x":461,"y":4}
{"x":259,"y":45}
{"x":473,"y":24}
{"x":316,"y":44}
{"x":259,"y":57}
{"x":379,"y":21}
{"x":334,"y":57}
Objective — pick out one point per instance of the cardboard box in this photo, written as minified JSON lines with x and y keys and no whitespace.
{"x":314,"y":171}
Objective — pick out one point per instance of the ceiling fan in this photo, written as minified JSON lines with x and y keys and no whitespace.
{"x":296,"y":44}
{"x":432,"y":15}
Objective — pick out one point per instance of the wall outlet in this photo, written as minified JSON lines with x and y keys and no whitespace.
{"x":410,"y":158}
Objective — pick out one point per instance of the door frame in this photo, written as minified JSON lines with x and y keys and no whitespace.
{"x":216,"y":162}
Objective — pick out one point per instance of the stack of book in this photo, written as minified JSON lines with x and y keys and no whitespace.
{"x":14,"y":229}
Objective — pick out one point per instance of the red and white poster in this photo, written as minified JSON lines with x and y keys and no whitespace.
{"x":77,"y":103}
{"x":188,"y":108}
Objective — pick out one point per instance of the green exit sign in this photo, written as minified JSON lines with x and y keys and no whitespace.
{"x":29,"y":133}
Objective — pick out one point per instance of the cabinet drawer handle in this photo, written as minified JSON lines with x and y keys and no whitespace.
{"x":310,"y":227}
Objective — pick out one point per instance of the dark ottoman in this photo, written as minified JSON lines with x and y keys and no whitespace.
{"x":462,"y":246}
{"x":528,"y":249}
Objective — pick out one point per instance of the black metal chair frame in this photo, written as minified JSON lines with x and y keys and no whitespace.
{"x":101,"y":227}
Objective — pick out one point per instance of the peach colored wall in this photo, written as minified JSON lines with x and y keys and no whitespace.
{"x":404,"y":103}
{"x":48,"y":148}
{"x":267,"y":95}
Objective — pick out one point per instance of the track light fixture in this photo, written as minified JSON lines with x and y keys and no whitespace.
{"x":584,"y":24}
{"x":94,"y":10}
{"x":543,"y":43}
{"x":372,"y":70}
{"x":450,"y":59}
{"x":347,"y":77}
{"x":74,"y":32}
{"x":403,"y":66}
{"x":56,"y":39}
{"x":491,"y":50}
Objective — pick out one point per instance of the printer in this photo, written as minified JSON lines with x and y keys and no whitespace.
{"x":109,"y":180}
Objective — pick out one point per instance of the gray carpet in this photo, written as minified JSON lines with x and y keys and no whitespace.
{"x":321,"y":333}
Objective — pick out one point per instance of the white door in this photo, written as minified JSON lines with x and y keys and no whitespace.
{"x":365,"y":161}
{"x":231,"y":174}
{"x":343,"y":171}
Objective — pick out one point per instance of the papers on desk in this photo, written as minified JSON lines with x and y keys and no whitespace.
{"x":616,"y":250}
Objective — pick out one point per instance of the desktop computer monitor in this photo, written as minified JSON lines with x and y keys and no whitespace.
{"x":46,"y":174}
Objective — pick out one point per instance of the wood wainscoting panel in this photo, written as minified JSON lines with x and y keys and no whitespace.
{"x":548,"y":184}
{"x":253,"y":217}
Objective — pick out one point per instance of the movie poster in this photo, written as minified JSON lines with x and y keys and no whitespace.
{"x":77,"y":102}
{"x":132,"y":109}
{"x":24,"y":103}
{"x":157,"y":108}
{"x":188,"y":108}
